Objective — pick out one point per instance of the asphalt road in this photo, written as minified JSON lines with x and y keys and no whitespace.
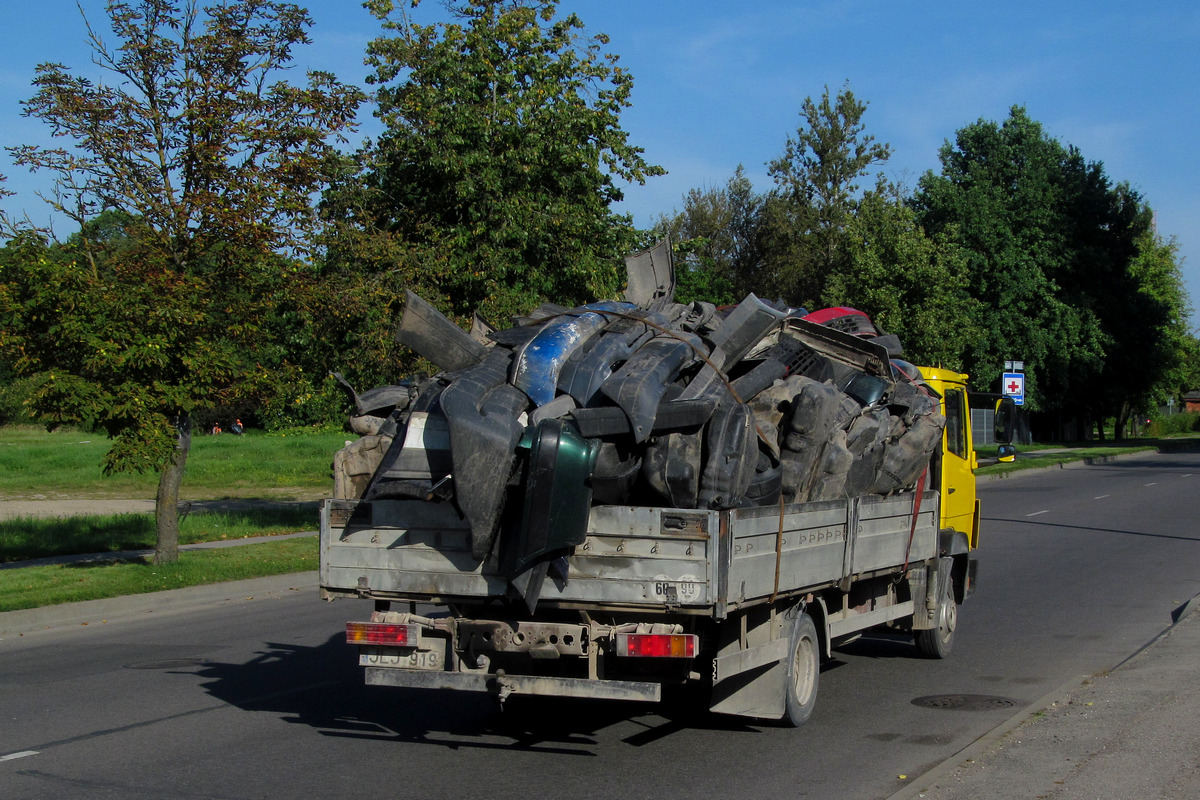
{"x":261,"y":699}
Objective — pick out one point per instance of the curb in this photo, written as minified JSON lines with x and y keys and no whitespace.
{"x":19,"y":623}
{"x":929,"y":779}
{"x":978,"y":747}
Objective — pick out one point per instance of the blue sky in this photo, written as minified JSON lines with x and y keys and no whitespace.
{"x":719,"y":84}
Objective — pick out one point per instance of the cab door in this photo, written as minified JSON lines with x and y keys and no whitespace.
{"x":958,"y":463}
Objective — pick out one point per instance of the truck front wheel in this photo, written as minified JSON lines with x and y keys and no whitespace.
{"x":803,"y":670}
{"x":936,"y":642}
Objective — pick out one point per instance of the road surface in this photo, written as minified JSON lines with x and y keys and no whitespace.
{"x":261,"y":698}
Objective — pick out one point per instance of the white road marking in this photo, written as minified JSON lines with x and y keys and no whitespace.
{"x":1034,"y":514}
{"x":1100,"y":497}
{"x":1153,"y":484}
{"x":15,"y":756}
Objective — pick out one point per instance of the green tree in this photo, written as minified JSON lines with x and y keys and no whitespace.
{"x":715,"y":237}
{"x":1070,"y":276}
{"x":910,"y":284}
{"x":1149,"y":354}
{"x":1001,"y":196}
{"x":211,"y":161}
{"x":502,"y":150}
{"x":816,"y":193}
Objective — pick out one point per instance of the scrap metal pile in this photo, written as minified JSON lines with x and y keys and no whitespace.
{"x":641,"y":402}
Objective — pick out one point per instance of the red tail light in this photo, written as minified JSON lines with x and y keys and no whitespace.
{"x":657,"y":645}
{"x":383,"y":633}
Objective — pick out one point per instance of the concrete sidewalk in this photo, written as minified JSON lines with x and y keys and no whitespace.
{"x":114,"y":609}
{"x":1133,"y":732}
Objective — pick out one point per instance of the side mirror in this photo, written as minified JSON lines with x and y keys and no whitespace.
{"x":1006,"y":452}
{"x":1003,"y":423}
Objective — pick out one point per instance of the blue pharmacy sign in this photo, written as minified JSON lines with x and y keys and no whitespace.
{"x":1013,"y":385}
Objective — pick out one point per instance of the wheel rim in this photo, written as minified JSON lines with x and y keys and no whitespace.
{"x":802,"y":668}
{"x":948,"y":619}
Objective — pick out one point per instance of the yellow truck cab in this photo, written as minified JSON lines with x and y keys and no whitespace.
{"x":952,"y":473}
{"x":955,"y":469}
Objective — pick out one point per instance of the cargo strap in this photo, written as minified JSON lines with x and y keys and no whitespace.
{"x":778,"y":549}
{"x":912,"y":528}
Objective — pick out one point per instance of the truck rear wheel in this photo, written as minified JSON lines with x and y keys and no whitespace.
{"x":803,"y":671}
{"x":936,"y":642}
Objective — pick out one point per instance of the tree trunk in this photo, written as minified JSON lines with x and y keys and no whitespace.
{"x":1124,"y":410}
{"x":166,"y":504}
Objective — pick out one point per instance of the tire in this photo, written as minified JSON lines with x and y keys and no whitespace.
{"x":938,"y":641}
{"x":803,"y":672}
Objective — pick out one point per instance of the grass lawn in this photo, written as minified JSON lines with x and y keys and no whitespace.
{"x":33,"y":587}
{"x":1036,"y":456}
{"x":67,"y":463}
{"x":25,"y":537}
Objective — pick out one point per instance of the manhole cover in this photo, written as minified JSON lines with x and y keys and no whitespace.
{"x":168,"y":663}
{"x":964,"y":702}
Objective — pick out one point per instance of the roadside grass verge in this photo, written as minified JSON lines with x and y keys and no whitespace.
{"x":24,"y":538}
{"x":1032,"y":457}
{"x":68,"y":463}
{"x":34,"y":587}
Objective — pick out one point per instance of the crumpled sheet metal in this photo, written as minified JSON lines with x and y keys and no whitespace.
{"x":685,"y":405}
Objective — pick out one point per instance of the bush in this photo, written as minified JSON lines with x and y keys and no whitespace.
{"x":13,"y":394}
{"x":300,"y":404}
{"x":1175,"y":424}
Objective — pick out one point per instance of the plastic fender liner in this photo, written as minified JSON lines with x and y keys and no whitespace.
{"x":650,"y":275}
{"x":836,"y":460}
{"x":767,"y":482}
{"x":587,"y":368}
{"x":482,"y":412}
{"x":536,"y":367}
{"x":811,"y":418}
{"x":671,"y":467}
{"x":745,"y":326}
{"x":904,"y":458}
{"x":615,"y":472}
{"x":867,"y":439}
{"x":640,"y":384}
{"x":428,"y":332}
{"x":731,"y":446}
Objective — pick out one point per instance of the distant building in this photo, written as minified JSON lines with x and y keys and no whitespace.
{"x":1191,"y":402}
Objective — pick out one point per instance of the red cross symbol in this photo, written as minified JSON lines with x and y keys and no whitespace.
{"x":1013,"y":387}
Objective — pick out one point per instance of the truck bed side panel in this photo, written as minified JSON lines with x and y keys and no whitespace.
{"x":824,"y":542}
{"x":632,"y":555}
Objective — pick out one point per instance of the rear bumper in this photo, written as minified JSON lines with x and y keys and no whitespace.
{"x":505,"y":685}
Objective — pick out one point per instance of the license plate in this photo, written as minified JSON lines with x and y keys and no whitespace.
{"x":403,"y":659}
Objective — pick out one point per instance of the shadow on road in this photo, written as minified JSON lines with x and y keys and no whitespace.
{"x":322,"y":687}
